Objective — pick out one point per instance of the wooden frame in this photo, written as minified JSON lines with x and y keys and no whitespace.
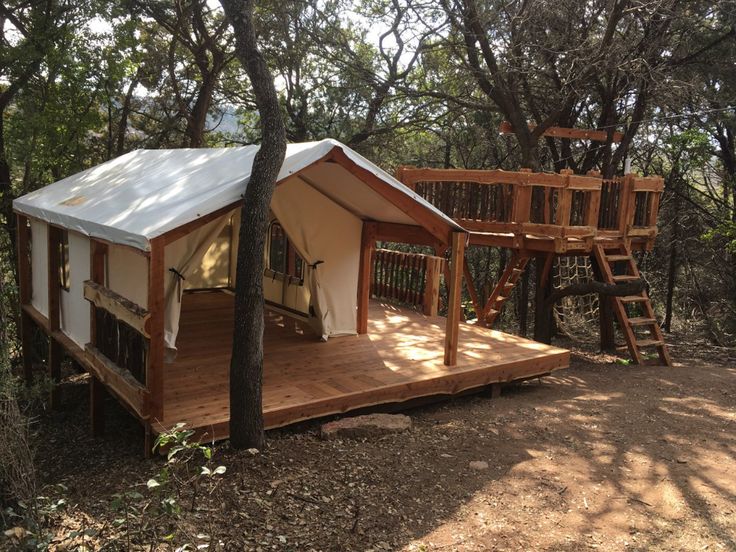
{"x":569,"y":133}
{"x":367,"y":246}
{"x":155,"y":358}
{"x":452,"y":328}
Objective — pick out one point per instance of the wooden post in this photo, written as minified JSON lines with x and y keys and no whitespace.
{"x":452,"y":327}
{"x":54,"y":283}
{"x":26,"y":293}
{"x":55,"y":352}
{"x":432,"y":286}
{"x":156,"y":305}
{"x":367,"y":246}
{"x":521,"y":209}
{"x":97,"y":253}
{"x":97,"y":393}
{"x":627,"y":204}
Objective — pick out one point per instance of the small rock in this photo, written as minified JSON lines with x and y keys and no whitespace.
{"x":479,"y":465}
{"x":361,"y":427}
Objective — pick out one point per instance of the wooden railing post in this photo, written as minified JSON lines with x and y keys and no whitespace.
{"x":156,"y":305}
{"x":55,"y":353}
{"x":522,"y":199}
{"x":367,"y":247}
{"x":432,"y":286}
{"x":452,"y":327}
{"x":26,"y":293}
{"x":593,"y":208}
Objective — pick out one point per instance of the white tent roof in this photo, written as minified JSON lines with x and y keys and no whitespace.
{"x":146,"y":193}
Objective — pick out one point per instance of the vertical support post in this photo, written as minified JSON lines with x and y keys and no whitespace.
{"x":627,"y":204}
{"x":26,"y":292}
{"x":593,"y":208}
{"x":432,"y":286}
{"x":367,"y":246}
{"x":54,"y":283}
{"x":522,"y":206}
{"x":155,"y":357}
{"x":97,"y":393}
{"x":97,"y":253}
{"x":54,"y":289}
{"x":452,"y":327}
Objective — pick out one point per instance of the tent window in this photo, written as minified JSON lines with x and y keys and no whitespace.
{"x":64,"y":277}
{"x":282,"y":258}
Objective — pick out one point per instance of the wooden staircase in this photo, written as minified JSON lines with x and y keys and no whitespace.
{"x":634,"y":312}
{"x":502,"y":291}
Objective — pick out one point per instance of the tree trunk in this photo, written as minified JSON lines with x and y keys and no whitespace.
{"x":672,"y":268}
{"x":542,"y":311}
{"x":246,"y":365}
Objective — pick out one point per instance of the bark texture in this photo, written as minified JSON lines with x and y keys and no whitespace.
{"x":246,"y":365}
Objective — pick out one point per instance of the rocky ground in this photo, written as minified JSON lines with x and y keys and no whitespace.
{"x":600,"y":455}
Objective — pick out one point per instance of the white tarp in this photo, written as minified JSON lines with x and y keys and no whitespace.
{"x":327,"y":237}
{"x":182,"y":258}
{"x":145,"y":193}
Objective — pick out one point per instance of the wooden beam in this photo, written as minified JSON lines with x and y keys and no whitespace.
{"x":452,"y":327}
{"x":97,"y":253}
{"x":367,"y":246}
{"x":24,"y":260}
{"x":434,"y":223}
{"x":26,"y":293}
{"x":156,"y":306}
{"x":572,"y":133}
{"x":53,"y":283}
{"x":405,"y":233}
{"x":123,"y":309}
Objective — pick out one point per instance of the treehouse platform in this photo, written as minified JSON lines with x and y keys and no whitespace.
{"x":544,"y":215}
{"x":398,"y":359}
{"x":544,"y":212}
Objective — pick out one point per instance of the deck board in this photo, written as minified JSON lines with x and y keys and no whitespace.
{"x":400,"y":358}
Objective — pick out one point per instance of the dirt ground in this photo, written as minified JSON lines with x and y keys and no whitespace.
{"x":600,"y":455}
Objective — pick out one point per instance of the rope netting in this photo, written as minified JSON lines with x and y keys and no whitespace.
{"x":576,"y":315}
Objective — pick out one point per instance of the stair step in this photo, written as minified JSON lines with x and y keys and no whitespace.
{"x":517,"y":270}
{"x":501,"y":299}
{"x":642,"y":321}
{"x":508,"y":285}
{"x":632,"y":299}
{"x":625,"y":278}
{"x":615,"y":258}
{"x":650,"y":343}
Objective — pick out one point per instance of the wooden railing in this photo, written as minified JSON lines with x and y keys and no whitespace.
{"x":560,"y":206}
{"x":120,"y":342}
{"x":408,"y":278}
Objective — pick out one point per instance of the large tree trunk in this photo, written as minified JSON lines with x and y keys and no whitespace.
{"x":246,"y":365}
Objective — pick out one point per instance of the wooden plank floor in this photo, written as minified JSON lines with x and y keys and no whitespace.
{"x":399,"y":359}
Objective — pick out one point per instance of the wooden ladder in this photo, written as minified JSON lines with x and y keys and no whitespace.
{"x":608,"y":258}
{"x":502,"y":291}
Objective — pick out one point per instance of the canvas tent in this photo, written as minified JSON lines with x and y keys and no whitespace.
{"x":325,"y":191}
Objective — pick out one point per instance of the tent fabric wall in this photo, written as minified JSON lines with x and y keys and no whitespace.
{"x":214,"y":270}
{"x":185,"y":256}
{"x":75,"y":315}
{"x":328,"y":238}
{"x":39,"y":266}
{"x":127,"y":274}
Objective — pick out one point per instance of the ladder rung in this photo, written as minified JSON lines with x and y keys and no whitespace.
{"x":632,"y":299}
{"x":517,"y":270}
{"x":642,"y":321}
{"x":501,"y":299}
{"x":508,"y":285}
{"x":625,"y":278}
{"x":650,"y":343}
{"x":615,"y":258}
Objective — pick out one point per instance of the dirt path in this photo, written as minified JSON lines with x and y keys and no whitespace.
{"x":599,"y":456}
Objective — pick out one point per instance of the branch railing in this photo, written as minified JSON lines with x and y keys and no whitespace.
{"x":120,"y":339}
{"x":408,"y":278}
{"x":560,"y":206}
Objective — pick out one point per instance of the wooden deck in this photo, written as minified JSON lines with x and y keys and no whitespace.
{"x":400,"y":358}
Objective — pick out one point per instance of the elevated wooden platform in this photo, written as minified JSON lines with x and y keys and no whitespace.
{"x":400,"y":358}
